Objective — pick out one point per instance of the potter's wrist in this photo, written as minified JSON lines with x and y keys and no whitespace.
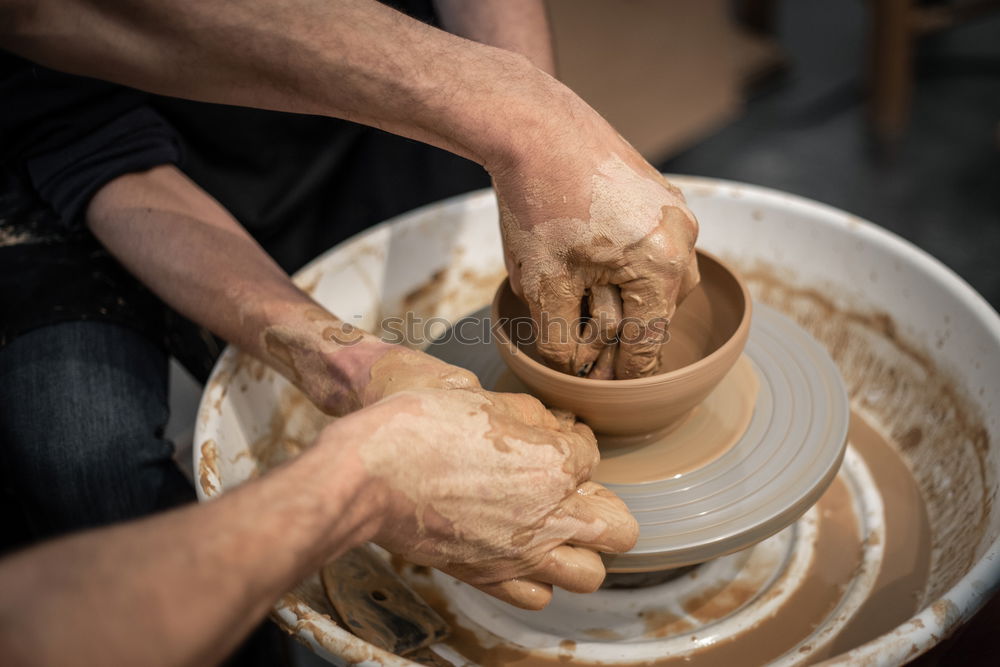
{"x":349,"y":473}
{"x":350,"y":500}
{"x":324,"y":357}
{"x":350,"y":368}
{"x":564,"y":142}
{"x":523,"y":111}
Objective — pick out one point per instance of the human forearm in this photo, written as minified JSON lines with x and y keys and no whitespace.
{"x":553,"y":159}
{"x":354,"y":59}
{"x":191,"y":252}
{"x":521,"y":26}
{"x":183,"y":588}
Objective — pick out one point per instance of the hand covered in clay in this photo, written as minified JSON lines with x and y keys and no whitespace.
{"x":490,"y":488}
{"x":402,"y":369}
{"x":342,"y":368}
{"x":593,"y":228}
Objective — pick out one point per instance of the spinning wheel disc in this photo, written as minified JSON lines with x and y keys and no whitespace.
{"x":787,"y":457}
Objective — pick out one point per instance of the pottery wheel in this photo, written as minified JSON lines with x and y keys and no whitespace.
{"x":781,"y":465}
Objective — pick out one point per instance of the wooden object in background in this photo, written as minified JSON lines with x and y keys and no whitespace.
{"x":896,"y":24}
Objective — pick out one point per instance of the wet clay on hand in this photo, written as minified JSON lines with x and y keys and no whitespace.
{"x":491,"y":488}
{"x":620,"y":225}
{"x":342,"y":368}
{"x":326,"y":358}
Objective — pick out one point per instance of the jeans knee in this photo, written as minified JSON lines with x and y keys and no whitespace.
{"x":82,"y":428}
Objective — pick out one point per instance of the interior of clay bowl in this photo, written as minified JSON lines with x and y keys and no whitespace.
{"x":706,"y":336}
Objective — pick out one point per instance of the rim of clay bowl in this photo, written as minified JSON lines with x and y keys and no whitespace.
{"x":732,"y":341}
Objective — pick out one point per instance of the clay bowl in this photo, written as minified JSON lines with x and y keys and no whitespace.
{"x":707,"y":336}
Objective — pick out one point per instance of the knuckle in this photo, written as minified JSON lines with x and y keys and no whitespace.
{"x":556,"y":353}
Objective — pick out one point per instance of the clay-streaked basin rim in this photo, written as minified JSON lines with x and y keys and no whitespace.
{"x":670,"y":377}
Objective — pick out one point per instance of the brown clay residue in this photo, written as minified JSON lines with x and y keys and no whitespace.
{"x":427,"y":293}
{"x":487,"y":650}
{"x":208,"y":468}
{"x":602,"y":634}
{"x":443,"y":294}
{"x":941,"y":432}
{"x":947,"y":615}
{"x":317,"y":314}
{"x":717,"y":604}
{"x":295,"y":422}
{"x":902,"y":578}
{"x":310,"y":287}
{"x":280,"y":351}
{"x":911,"y":438}
{"x":243,"y":364}
{"x":662,"y":623}
{"x":314,"y":615}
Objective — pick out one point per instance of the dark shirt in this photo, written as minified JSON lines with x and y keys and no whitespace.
{"x":298,"y":183}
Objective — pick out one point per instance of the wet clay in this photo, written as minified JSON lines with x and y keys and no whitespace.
{"x":835,"y":563}
{"x":706,"y":433}
{"x":901,"y":582}
{"x":706,"y":337}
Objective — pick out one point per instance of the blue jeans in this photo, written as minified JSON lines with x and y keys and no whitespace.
{"x":83,"y":406}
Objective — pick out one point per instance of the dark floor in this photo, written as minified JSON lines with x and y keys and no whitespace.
{"x":806,"y":134}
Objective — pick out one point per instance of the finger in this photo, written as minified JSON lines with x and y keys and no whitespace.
{"x":600,"y":519}
{"x":568,"y":423}
{"x":524,"y":409}
{"x":530,"y":421}
{"x":587,"y":350}
{"x":601,"y":329}
{"x":523,"y":592}
{"x":513,"y":273}
{"x":606,"y":309}
{"x":692,"y":276}
{"x":648,"y":303}
{"x":564,"y":418}
{"x":604,"y":367}
{"x":586,"y":455}
{"x":578,"y":570}
{"x":556,"y":312}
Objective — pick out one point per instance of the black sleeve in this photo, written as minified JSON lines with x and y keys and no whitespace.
{"x":69,"y":135}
